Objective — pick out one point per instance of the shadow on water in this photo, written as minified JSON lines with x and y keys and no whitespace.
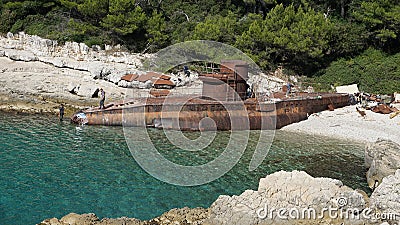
{"x":50,"y":168}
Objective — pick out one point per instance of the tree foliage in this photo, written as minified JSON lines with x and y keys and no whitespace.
{"x":289,"y":36}
{"x":382,"y":18}
{"x":217,"y":28}
{"x":123,"y":17}
{"x":156,"y":30}
{"x":374,"y":71}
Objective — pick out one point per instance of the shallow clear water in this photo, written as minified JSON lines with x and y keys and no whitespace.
{"x":49,"y":169}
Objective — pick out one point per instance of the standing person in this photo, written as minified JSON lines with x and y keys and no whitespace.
{"x":186,"y":71}
{"x":102,"y":98}
{"x":249,"y":92}
{"x":61,"y":112}
{"x":289,"y":88}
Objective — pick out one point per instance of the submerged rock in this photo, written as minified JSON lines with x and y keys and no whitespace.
{"x":382,"y":159}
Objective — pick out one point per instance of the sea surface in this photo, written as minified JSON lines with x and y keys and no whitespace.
{"x":50,"y":168}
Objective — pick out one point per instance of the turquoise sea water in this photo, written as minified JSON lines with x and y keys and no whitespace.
{"x":49,"y":169}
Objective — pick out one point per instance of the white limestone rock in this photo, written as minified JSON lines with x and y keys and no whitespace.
{"x":72,"y":88}
{"x":95,"y":69}
{"x":10,"y":35}
{"x":73,"y":218}
{"x":385,"y":200}
{"x":96,"y":48}
{"x":135,"y":84}
{"x":107,"y":47}
{"x":263,"y":83}
{"x":180,"y":79}
{"x":23,"y":57}
{"x":146,"y":85}
{"x":86,"y":91}
{"x":290,"y":191}
{"x":114,"y":77}
{"x":382,"y":159}
{"x":84,"y":49}
{"x":125,"y":84}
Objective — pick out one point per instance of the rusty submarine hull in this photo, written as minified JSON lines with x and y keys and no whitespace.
{"x":196,"y":114}
{"x":225,"y":104}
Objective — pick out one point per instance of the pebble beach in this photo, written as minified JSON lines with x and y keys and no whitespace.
{"x":347,"y":123}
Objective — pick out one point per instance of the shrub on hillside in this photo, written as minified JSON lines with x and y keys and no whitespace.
{"x":373,"y":71}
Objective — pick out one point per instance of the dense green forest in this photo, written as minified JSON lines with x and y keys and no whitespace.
{"x":334,"y":42}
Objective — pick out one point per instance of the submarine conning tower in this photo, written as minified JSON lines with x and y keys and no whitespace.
{"x":226,"y":81}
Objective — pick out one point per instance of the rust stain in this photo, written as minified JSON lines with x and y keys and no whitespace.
{"x":148,"y":76}
{"x":129,"y":77}
{"x":256,"y":115}
{"x":222,"y":90}
{"x":164,"y":82}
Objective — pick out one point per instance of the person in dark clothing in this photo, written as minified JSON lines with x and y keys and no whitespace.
{"x":186,"y":71}
{"x":249,"y":92}
{"x":102,"y":98}
{"x":61,"y":112}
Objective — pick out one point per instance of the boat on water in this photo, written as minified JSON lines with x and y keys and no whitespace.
{"x":223,"y":105}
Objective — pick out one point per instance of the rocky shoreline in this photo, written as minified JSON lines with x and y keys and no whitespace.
{"x":37,"y":75}
{"x":288,"y":198}
{"x":196,"y":216}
